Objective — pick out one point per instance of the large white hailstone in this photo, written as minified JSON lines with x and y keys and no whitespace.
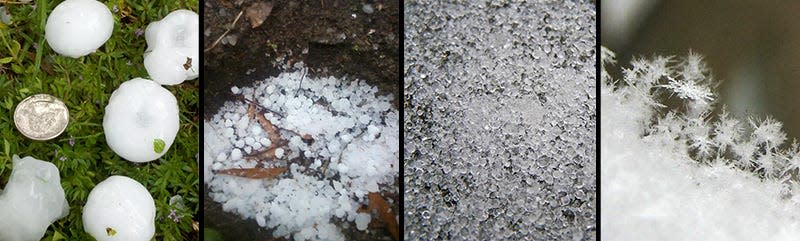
{"x":31,"y":201}
{"x":173,"y":48}
{"x":120,"y":208}
{"x":78,"y":27}
{"x":141,"y":120}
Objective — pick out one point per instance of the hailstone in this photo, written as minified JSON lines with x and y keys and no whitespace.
{"x":141,"y":120}
{"x":76,"y":28}
{"x":120,"y":208}
{"x":173,"y":48}
{"x":31,"y":201}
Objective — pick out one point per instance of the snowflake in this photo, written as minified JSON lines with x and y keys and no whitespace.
{"x":726,"y":131}
{"x":687,"y":89}
{"x":792,"y":158}
{"x":768,"y":132}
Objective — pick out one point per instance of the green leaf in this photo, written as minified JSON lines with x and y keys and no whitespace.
{"x":15,"y":47}
{"x":58,"y":236}
{"x":6,"y":60}
{"x":17,"y":68}
{"x":7,"y":147}
{"x":158,"y":145}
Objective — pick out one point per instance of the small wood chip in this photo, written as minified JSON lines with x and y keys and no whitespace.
{"x":308,"y":139}
{"x":188,"y":63}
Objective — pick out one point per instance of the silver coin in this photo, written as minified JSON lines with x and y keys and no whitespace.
{"x":41,"y":117}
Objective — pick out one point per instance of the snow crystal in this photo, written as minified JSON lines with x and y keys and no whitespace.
{"x":334,"y":114}
{"x":499,"y":98}
{"x":686,"y":175}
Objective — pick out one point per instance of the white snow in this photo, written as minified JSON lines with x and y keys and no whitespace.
{"x":31,"y":201}
{"x":301,"y":204}
{"x":654,"y":188}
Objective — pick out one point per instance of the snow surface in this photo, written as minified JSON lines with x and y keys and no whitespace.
{"x":682,"y":176}
{"x":345,"y":118}
{"x":500,"y":120}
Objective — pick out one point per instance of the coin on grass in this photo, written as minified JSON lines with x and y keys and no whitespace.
{"x":41,"y":117}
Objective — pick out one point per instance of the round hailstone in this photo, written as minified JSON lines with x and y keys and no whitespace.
{"x":120,"y":208}
{"x":32,"y":200}
{"x":76,"y":28}
{"x":173,"y":48}
{"x":323,"y":123}
{"x":141,"y":120}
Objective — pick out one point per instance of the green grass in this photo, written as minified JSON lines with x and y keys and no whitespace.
{"x":85,"y":84}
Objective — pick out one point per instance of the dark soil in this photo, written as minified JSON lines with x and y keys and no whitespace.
{"x":308,"y":31}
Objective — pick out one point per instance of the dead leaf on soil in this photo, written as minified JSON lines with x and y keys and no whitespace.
{"x":254,"y":173}
{"x":385,"y":214}
{"x":269,"y":153}
{"x":272,"y":130}
{"x":258,"y":12}
{"x":251,"y":109}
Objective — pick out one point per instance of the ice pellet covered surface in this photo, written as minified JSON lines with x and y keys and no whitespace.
{"x":499,"y":120}
{"x":338,"y":139}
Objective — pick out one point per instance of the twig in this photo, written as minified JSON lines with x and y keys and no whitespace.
{"x":327,"y":162}
{"x":301,"y":83}
{"x":242,"y":98}
{"x":228,"y":29}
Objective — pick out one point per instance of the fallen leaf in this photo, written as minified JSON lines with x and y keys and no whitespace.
{"x":269,"y":153}
{"x":251,"y":109}
{"x":385,"y":214}
{"x":274,"y":134}
{"x":225,"y":3}
{"x":257,"y":12}
{"x":254,"y":173}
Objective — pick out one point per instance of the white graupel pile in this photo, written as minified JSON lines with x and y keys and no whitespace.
{"x":345,"y":119}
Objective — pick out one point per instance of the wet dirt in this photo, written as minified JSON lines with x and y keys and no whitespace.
{"x":333,"y":38}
